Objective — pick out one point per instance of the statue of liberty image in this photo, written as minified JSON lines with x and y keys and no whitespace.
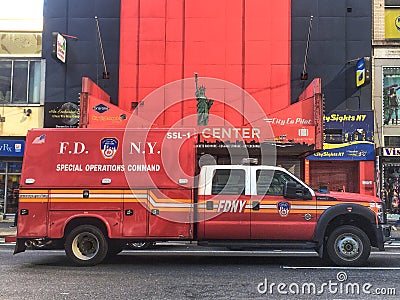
{"x":203,"y":104}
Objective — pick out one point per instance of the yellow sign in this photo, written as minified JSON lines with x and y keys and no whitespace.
{"x":392,"y":23}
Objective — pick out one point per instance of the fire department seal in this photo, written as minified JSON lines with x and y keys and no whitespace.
{"x":109,"y":147}
{"x":283,"y":208}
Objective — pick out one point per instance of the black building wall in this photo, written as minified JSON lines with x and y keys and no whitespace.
{"x":341,"y":33}
{"x":77,"y":18}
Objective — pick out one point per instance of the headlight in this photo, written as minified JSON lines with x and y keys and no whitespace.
{"x":378,"y":209}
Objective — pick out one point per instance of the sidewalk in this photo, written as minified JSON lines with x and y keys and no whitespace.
{"x":5,"y":229}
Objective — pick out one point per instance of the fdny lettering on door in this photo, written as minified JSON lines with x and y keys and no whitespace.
{"x":235,"y":206}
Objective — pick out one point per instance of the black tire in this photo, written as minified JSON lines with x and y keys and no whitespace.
{"x":348,"y":246}
{"x":86,"y":245}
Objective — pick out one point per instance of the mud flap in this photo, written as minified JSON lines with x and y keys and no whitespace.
{"x":19,"y":246}
{"x":382,"y":233}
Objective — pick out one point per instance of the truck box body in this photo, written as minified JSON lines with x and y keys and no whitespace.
{"x":124,"y":177}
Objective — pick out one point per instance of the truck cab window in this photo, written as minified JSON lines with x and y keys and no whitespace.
{"x":228,"y":182}
{"x":270,"y":182}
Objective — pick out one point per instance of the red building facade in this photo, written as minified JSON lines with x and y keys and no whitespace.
{"x":241,"y":51}
{"x":245,"y":42}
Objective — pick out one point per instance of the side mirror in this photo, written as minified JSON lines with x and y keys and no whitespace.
{"x":292,"y":190}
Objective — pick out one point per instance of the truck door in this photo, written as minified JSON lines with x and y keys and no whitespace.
{"x":225,"y":206}
{"x":275,"y":217}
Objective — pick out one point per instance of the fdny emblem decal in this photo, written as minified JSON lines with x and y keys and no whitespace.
{"x":109,"y":147}
{"x":283,"y":208}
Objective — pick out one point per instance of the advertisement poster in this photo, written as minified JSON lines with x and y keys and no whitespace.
{"x":61,"y":115}
{"x":392,"y":22}
{"x":390,"y":91}
{"x":348,"y":135}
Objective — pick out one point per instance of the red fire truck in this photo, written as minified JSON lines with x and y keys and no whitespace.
{"x":92,"y":191}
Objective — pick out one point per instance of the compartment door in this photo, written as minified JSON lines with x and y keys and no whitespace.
{"x":135,"y":214}
{"x":171,"y":213}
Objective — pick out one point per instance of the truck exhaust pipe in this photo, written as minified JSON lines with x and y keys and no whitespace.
{"x":28,"y":243}
{"x":36,"y":243}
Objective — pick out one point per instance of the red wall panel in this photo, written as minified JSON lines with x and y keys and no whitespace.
{"x":246,"y":42}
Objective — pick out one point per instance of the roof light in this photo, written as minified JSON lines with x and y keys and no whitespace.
{"x":29,"y":181}
{"x":106,"y":181}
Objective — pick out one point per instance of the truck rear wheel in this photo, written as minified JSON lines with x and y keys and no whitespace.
{"x":348,"y":246}
{"x":86,"y":245}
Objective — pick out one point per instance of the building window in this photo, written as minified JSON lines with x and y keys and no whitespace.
{"x":390,"y":96}
{"x":21,"y":81}
{"x":10,"y":174}
{"x":392,"y":141}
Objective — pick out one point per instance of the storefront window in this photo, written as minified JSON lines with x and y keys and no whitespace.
{"x":10,"y":175}
{"x":391,"y":102}
{"x":2,"y":192}
{"x":14,"y":167}
{"x":391,"y":196}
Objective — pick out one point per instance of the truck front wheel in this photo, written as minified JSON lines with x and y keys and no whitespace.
{"x":86,"y":245}
{"x":348,"y":246}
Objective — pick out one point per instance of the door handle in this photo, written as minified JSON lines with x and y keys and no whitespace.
{"x":308,"y":217}
{"x":129,"y":212}
{"x":255,"y":205}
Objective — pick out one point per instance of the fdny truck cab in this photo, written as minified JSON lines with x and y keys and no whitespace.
{"x":91,"y":192}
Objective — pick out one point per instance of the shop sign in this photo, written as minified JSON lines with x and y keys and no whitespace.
{"x":59,"y":47}
{"x":12,"y":148}
{"x":391,"y":151}
{"x":347,"y":136}
{"x":363,"y":71}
